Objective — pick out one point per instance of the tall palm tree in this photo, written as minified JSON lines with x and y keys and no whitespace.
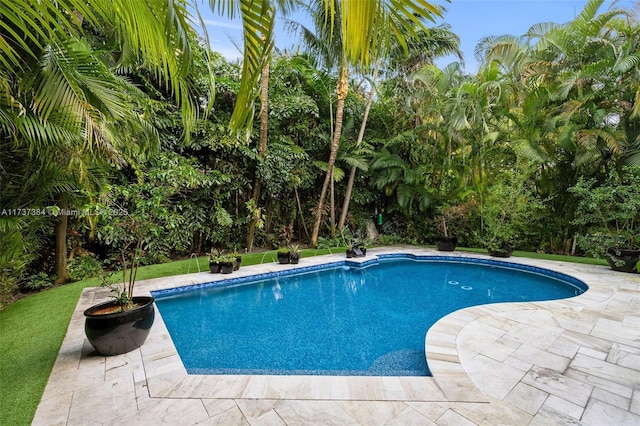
{"x":285,"y":6}
{"x":354,"y":30}
{"x":423,"y":48}
{"x":588,"y":62}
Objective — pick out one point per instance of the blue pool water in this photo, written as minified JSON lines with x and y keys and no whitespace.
{"x":341,"y":319}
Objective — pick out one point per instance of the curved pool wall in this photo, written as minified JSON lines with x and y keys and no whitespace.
{"x":579,"y":284}
{"x":401,"y":360}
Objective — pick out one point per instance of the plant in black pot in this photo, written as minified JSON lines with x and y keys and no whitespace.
{"x":445,"y":241}
{"x":509,"y":209}
{"x":227,"y":263}
{"x":446,"y":221}
{"x":214,"y":261}
{"x":284,"y":251}
{"x":284,"y":255}
{"x":123,"y":324}
{"x":294,"y":254}
{"x":237,"y":262}
{"x":609,"y":214}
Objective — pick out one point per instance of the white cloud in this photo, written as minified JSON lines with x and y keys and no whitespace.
{"x":227,"y":50}
{"x":223,"y":24}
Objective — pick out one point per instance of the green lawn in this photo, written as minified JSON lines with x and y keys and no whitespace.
{"x":32,"y":330}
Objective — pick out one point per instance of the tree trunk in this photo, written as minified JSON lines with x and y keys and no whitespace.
{"x":62,"y":275}
{"x":262,"y":149}
{"x":343,"y":89}
{"x":304,"y":225}
{"x":352,"y":173}
{"x":332,"y":210}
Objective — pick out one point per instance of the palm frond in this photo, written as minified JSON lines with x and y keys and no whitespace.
{"x":531,"y":151}
{"x":356,"y":161}
{"x":28,"y":26}
{"x":625,"y":63}
{"x":258,"y":19}
{"x":156,"y":31}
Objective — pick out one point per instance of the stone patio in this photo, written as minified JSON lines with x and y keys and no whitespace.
{"x":574,"y":361}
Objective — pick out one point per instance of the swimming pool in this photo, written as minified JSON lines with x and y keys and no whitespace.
{"x":344,"y":318}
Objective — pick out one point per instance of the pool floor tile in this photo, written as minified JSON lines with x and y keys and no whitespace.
{"x":541,"y":363}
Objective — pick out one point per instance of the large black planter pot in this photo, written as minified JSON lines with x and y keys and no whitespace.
{"x":214,"y":268}
{"x":284,"y":258}
{"x":629,"y":257}
{"x":504,"y":251}
{"x":446,"y":243}
{"x":118,"y":333}
{"x":227,"y":268}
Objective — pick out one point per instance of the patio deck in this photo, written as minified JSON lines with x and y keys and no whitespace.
{"x":573,"y":361}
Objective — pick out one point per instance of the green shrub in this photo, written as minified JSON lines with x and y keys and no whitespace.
{"x":39,"y":281}
{"x":83,"y":267}
{"x":609,"y":212}
{"x":510,"y":208}
{"x":8,"y":287}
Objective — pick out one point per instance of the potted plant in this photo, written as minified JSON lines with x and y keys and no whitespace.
{"x":123,"y":324}
{"x":284,"y":255}
{"x":444,"y":241}
{"x":508,"y":210}
{"x":227,"y":263}
{"x":294,"y":254}
{"x":214,"y":261}
{"x":609,"y":213}
{"x":237,"y":260}
{"x":448,"y":214}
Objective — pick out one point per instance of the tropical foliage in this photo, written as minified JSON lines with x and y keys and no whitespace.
{"x":112,"y":106}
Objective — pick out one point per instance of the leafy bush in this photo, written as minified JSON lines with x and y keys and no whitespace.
{"x":391,"y":239}
{"x":83,"y":267}
{"x":509,"y":210}
{"x":324,"y":243}
{"x":609,"y":212}
{"x":8,"y":286}
{"x":39,"y":281}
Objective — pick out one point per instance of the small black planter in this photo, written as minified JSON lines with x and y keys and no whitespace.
{"x":121,"y":332}
{"x":227,"y":268}
{"x":505,"y":251}
{"x":294,"y":258}
{"x":284,"y":258}
{"x":446,"y":243}
{"x":628,"y":257}
{"x":214,"y":268}
{"x":237,"y":263}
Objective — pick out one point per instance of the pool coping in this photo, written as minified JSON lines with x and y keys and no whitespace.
{"x":158,"y":375}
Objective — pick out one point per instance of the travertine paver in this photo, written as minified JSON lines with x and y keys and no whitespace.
{"x":558,"y":362}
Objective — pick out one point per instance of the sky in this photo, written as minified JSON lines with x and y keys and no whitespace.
{"x":471,"y":20}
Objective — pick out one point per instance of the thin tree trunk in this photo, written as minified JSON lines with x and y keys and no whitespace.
{"x":352,"y":173}
{"x":332,"y":210}
{"x":343,"y":89}
{"x":304,"y":224}
{"x":262,"y":149}
{"x":62,"y":274}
